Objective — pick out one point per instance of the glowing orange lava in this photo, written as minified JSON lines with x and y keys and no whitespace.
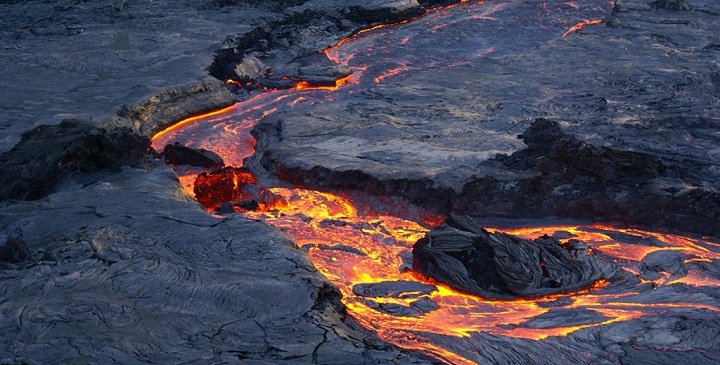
{"x":328,"y":224}
{"x":179,"y":125}
{"x":354,"y":239}
{"x":582,"y":25}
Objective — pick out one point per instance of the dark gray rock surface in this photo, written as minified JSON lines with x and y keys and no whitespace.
{"x":643,"y":82}
{"x":125,"y":268}
{"x":78,"y":59}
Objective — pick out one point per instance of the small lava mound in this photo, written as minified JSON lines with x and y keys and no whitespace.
{"x":465,"y":256}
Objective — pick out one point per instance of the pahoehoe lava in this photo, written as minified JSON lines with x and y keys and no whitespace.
{"x":111,"y":260}
{"x":362,"y":244}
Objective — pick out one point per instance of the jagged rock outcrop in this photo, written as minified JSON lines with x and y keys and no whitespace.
{"x":465,"y":256}
{"x":178,"y":155}
{"x":47,"y":154}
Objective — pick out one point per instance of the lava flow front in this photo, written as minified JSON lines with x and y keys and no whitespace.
{"x":363,"y":244}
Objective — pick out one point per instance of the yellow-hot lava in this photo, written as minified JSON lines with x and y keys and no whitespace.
{"x":352,"y":249}
{"x":354,"y":239}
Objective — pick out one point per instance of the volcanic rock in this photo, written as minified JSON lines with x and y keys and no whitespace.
{"x":125,"y":268}
{"x":465,"y":256}
{"x":415,"y":293}
{"x":415,"y":308}
{"x":14,"y":251}
{"x":657,"y":263}
{"x":230,"y":184}
{"x":393,"y":289}
{"x":177,"y":154}
{"x":556,"y":316}
{"x":34,"y":166}
{"x":291,"y":44}
{"x":128,"y":269}
{"x":671,"y":4}
{"x":632,"y":139}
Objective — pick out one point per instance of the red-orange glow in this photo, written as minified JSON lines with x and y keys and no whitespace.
{"x":302,"y":85}
{"x":573,"y":5}
{"x":359,"y":240}
{"x":186,"y":121}
{"x":392,"y":72}
{"x":231,"y":81}
{"x":335,"y":221}
{"x":356,"y":239}
{"x":695,"y":278}
{"x":582,"y":25}
{"x":332,"y":52}
{"x":368,"y":30}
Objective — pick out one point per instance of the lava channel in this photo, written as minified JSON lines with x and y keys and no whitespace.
{"x":362,"y":243}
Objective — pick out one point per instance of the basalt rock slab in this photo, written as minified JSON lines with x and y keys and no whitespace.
{"x":125,"y":268}
{"x":637,"y":146}
{"x":557,"y":174}
{"x":173,"y":104}
{"x":463,"y":255}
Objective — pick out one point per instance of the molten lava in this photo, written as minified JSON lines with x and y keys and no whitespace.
{"x":357,"y":240}
{"x":582,"y":25}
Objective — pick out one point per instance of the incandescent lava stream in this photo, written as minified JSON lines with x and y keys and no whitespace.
{"x":363,"y":244}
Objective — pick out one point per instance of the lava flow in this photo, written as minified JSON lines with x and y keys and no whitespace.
{"x":363,"y":244}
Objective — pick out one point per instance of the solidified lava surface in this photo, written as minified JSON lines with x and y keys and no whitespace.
{"x":378,"y":133}
{"x":615,"y":104}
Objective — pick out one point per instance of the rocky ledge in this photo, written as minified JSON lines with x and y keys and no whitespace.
{"x":615,"y":122}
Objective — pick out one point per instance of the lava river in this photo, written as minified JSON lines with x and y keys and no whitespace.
{"x":357,"y":240}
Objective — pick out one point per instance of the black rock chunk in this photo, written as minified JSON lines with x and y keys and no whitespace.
{"x":48,"y":153}
{"x":14,"y":251}
{"x":394,"y":289}
{"x":559,"y":302}
{"x":414,"y":309}
{"x":234,"y":189}
{"x":463,"y":255}
{"x":343,"y":248}
{"x":557,"y":317}
{"x":177,"y":154}
{"x":665,"y":261}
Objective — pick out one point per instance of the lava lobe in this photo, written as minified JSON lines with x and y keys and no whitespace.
{"x":465,"y":256}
